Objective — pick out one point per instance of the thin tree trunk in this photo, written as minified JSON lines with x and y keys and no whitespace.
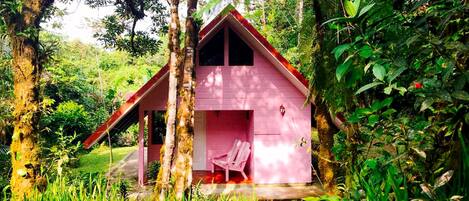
{"x":263,"y":18}
{"x":185,"y":126}
{"x":163,"y":185}
{"x":300,"y":11}
{"x":326,"y":127}
{"x":27,"y":68}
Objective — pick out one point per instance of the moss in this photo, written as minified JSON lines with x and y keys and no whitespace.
{"x":326,"y":132}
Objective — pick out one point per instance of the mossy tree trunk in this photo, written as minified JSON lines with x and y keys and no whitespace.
{"x":325,"y":124}
{"x":163,"y":181}
{"x":23,"y":33}
{"x":326,"y":131}
{"x":185,"y":126}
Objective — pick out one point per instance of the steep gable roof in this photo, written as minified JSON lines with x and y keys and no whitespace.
{"x":231,"y":15}
{"x":128,"y":112}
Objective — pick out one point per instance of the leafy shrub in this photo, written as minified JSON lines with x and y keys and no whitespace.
{"x":5,"y":171}
{"x":62,"y":155}
{"x":153,"y":169}
{"x":6,"y":98}
{"x":71,"y":117}
{"x":405,"y":68}
{"x":126,"y":138}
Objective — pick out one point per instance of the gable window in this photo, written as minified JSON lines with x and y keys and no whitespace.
{"x":240,"y":54}
{"x":212,"y":53}
{"x":159,"y":127}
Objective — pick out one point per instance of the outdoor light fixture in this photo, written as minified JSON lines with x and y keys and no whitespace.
{"x":282,"y":110}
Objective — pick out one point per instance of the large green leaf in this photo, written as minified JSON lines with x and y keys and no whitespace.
{"x":373,"y":119}
{"x":339,"y":50}
{"x":426,"y":104}
{"x":461,"y":95}
{"x":351,"y":7}
{"x":368,"y":86}
{"x":365,"y":51}
{"x":395,"y":73}
{"x":365,"y":9}
{"x":379,"y":71}
{"x":342,"y":69}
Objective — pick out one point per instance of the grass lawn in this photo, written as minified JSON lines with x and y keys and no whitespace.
{"x":98,"y":159}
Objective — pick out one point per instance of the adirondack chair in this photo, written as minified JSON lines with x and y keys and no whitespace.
{"x":238,"y":158}
{"x":227,"y":157}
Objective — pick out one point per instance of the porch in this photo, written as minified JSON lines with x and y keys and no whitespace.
{"x":214,"y":134}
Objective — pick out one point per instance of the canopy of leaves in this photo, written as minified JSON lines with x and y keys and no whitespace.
{"x":120,"y":29}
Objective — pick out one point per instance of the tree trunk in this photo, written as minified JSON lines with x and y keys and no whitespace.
{"x":27,"y":68}
{"x":326,"y":131}
{"x":185,"y":126}
{"x":163,"y":185}
{"x":25,"y":150}
{"x":326,"y":127}
{"x":300,"y":11}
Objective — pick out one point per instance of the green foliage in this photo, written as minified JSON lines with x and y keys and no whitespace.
{"x":407,"y":65}
{"x":113,"y":36}
{"x":398,"y":71}
{"x":83,"y":188}
{"x":5,"y":171}
{"x":82,"y":80}
{"x":197,"y":195}
{"x":71,"y":118}
{"x":6,"y":95}
{"x":62,"y":155}
{"x":280,"y":26}
{"x":8,"y":8}
{"x":126,"y":138}
{"x":323,"y":198}
{"x":116,"y":32}
{"x":153,"y":169}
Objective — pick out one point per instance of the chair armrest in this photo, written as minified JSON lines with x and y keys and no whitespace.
{"x":232,"y":163}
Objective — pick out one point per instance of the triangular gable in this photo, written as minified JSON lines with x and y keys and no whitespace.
{"x":231,"y":15}
{"x":228,"y":14}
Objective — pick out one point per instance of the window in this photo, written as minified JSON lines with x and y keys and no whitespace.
{"x":212,"y":53}
{"x":240,"y":53}
{"x":159,"y":127}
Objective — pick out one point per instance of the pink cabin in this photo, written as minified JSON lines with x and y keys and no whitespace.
{"x":245,"y":90}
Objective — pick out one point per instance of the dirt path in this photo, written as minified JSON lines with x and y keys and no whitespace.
{"x":127,"y":169}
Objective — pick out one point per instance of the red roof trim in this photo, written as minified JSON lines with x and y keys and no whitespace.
{"x":130,"y":103}
{"x":210,"y":26}
{"x":260,"y":38}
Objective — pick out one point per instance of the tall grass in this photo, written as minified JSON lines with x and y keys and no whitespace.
{"x":90,"y":187}
{"x":197,"y":195}
{"x":95,"y":187}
